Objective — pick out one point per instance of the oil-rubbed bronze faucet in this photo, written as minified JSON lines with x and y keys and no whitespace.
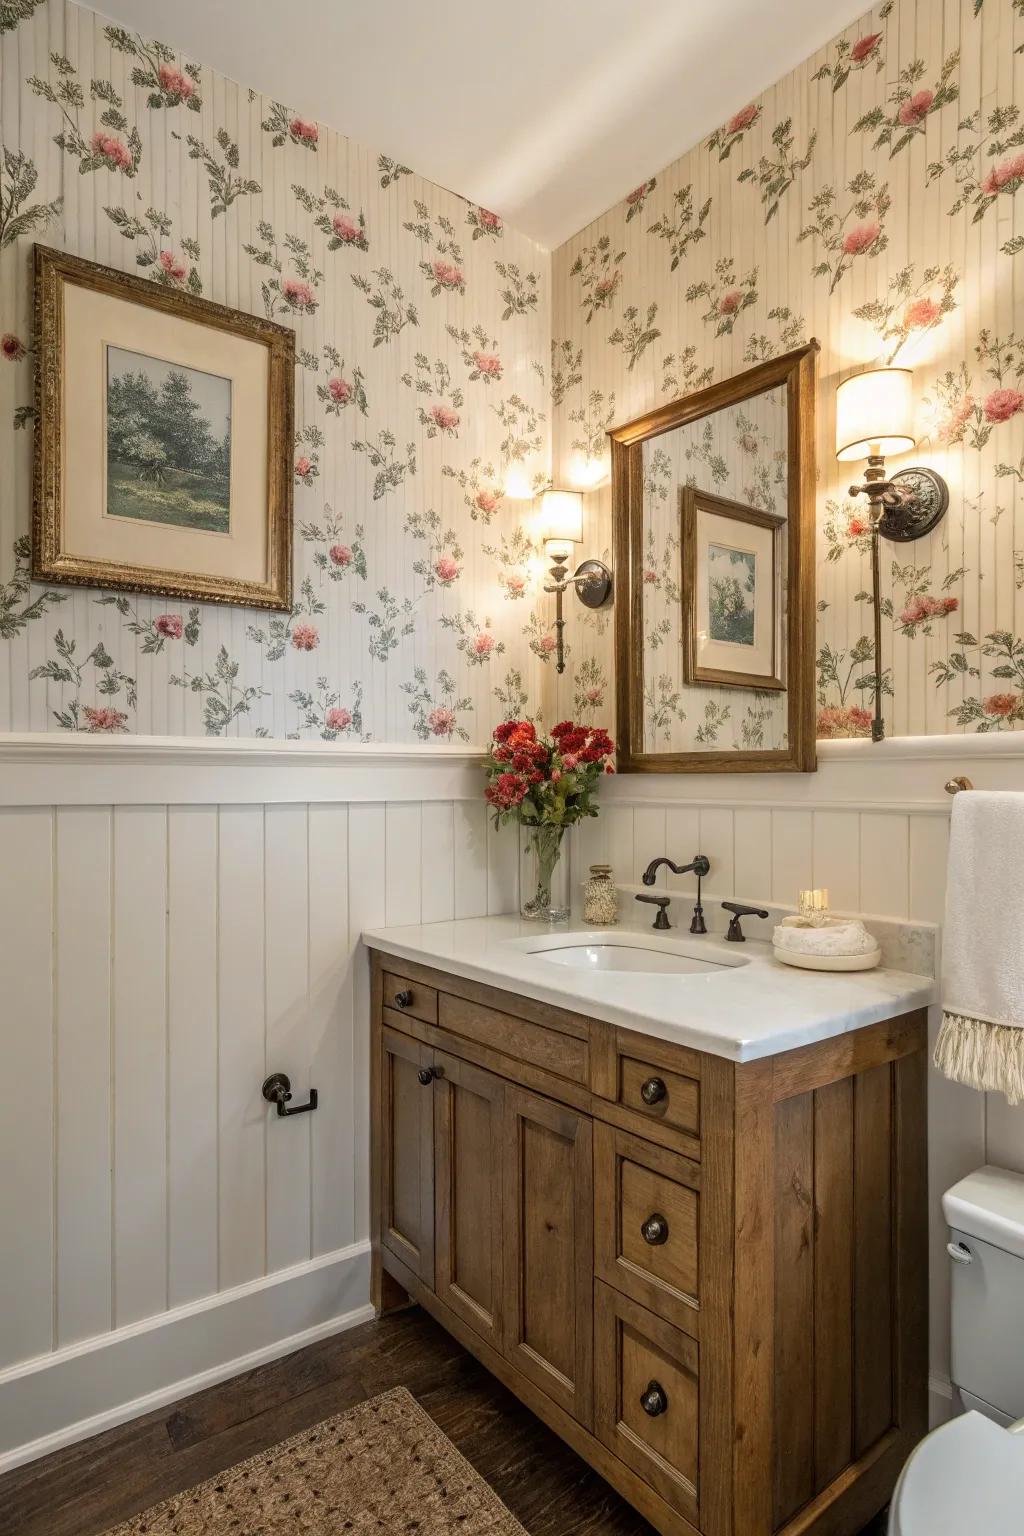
{"x":738,"y":910}
{"x":698,"y":865}
{"x":661,"y":922}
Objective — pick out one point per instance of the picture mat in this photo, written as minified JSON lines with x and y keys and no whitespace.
{"x":92,"y":322}
{"x":722,"y":655}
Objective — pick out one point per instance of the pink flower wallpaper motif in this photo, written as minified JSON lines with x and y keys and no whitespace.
{"x":413,"y":310}
{"x":874,"y":198}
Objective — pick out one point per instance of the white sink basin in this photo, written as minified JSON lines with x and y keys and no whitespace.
{"x":627,"y":954}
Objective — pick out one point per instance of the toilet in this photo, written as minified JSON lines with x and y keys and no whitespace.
{"x":968,"y":1475}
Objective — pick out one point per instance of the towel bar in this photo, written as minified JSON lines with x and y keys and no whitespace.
{"x":954,"y":786}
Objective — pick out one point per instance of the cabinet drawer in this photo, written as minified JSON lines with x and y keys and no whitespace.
{"x":665,"y":1097}
{"x":563,"y":1055}
{"x":410,"y":997}
{"x":647,"y":1396}
{"x":646,"y":1224}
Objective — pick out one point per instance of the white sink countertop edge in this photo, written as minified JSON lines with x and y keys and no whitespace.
{"x":745,"y":1012}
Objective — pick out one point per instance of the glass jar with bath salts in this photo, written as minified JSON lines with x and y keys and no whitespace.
{"x":600,"y":898}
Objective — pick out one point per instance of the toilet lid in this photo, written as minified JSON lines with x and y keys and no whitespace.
{"x":966,"y":1476}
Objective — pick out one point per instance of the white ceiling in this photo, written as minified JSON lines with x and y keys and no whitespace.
{"x":547,"y":111}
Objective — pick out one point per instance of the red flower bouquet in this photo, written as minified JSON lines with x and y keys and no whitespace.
{"x":545,"y":784}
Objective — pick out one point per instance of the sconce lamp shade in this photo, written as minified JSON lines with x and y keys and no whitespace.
{"x":562,"y":517}
{"x":875,"y":414}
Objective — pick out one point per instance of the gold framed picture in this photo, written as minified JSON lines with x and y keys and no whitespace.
{"x":163,"y":446}
{"x":731,"y":592}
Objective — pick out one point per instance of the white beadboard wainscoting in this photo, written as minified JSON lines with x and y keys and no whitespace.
{"x":872,"y":825}
{"x":178,"y":919}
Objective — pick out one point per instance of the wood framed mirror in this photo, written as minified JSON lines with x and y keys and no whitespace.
{"x":713,"y":511}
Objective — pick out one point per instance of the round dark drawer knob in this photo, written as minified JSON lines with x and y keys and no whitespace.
{"x":654,"y":1230}
{"x":653,"y":1091}
{"x":404,"y":999}
{"x":654,"y":1401}
{"x":426,"y":1075}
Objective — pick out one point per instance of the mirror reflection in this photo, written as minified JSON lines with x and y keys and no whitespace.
{"x":715,"y":511}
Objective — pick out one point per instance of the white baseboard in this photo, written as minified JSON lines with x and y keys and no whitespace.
{"x":55,"y":1400}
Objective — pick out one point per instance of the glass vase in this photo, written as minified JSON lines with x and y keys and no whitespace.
{"x":544,"y":874}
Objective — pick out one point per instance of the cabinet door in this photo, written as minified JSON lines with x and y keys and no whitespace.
{"x":549,"y":1248}
{"x":407,"y":1153}
{"x":468,"y":1194}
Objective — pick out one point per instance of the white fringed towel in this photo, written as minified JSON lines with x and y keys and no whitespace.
{"x":981,"y":1042}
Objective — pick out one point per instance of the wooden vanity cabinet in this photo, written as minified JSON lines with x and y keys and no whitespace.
{"x":709,"y":1278}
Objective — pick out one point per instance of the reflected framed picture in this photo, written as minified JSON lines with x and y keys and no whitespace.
{"x":731,"y":592}
{"x":163,"y":447}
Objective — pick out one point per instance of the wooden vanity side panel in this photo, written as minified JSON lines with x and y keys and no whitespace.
{"x":834,"y":1247}
{"x":849,"y":1370}
{"x":793,"y":1180}
{"x":753,"y":1285}
{"x":873,"y":1269}
{"x":719,"y":1182}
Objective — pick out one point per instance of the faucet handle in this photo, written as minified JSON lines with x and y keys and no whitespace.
{"x":735,"y":934}
{"x":661,"y":922}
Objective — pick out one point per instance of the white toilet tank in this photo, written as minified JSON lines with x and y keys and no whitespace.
{"x":985,"y":1214}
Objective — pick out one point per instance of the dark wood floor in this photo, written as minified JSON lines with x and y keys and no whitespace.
{"x":87,"y":1488}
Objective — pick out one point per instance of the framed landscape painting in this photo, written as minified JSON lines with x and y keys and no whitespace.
{"x":731,"y":592}
{"x":163,"y":440}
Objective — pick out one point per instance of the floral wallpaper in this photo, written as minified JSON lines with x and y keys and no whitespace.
{"x":740,"y":453}
{"x":869,"y":199}
{"x":422,"y":405}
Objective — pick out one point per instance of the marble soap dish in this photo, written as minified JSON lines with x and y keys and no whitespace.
{"x":837,"y":944}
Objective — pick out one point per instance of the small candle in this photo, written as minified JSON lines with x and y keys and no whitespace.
{"x":814,"y":906}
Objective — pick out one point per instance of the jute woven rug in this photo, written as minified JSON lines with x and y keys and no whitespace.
{"x":382,"y":1467}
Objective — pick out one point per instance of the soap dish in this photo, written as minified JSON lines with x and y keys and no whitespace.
{"x":804,"y":962}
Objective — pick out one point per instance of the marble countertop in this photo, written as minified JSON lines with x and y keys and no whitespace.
{"x":749,"y":1006}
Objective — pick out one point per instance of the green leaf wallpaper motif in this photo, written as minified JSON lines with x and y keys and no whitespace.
{"x":413,"y":311}
{"x":872,"y":198}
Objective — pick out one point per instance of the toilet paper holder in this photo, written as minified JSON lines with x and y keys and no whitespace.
{"x":277,"y":1089}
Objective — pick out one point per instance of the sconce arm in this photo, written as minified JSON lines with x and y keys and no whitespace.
{"x":878,"y":491}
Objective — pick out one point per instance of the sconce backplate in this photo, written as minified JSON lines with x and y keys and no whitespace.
{"x":924,"y":497}
{"x":593,"y":584}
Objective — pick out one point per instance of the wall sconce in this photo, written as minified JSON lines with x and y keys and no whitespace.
{"x":562,"y":526}
{"x":875,"y":417}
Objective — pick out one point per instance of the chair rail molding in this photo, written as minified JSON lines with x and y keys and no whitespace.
{"x":905,"y":773}
{"x":82,"y":769}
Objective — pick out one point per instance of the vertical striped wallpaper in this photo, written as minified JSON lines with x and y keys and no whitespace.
{"x":422,"y":326}
{"x":869,"y":199}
